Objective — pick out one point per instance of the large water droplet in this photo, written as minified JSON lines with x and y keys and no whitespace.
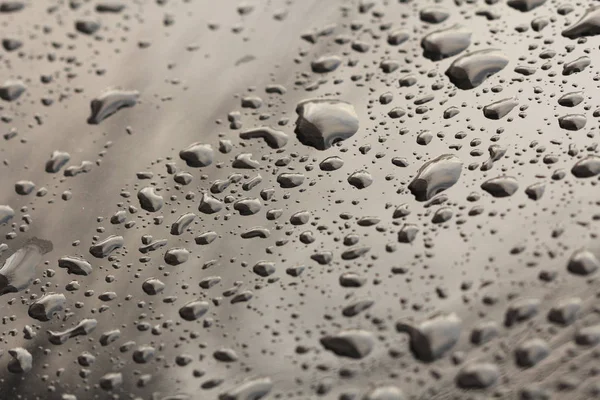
{"x":588,"y":25}
{"x":435,"y":176}
{"x":446,"y":42}
{"x":471,"y":70}
{"x":19,"y":270}
{"x":109,"y":103}
{"x":323,"y":122}
{"x":502,"y":186}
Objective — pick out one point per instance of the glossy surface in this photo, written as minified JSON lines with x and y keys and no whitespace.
{"x":178,"y":222}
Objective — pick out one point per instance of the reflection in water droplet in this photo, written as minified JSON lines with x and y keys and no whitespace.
{"x":471,"y":70}
{"x":12,"y":90}
{"x":588,"y":25}
{"x":434,"y":15}
{"x":149,"y":200}
{"x":323,"y":122}
{"x":500,"y":108}
{"x":83,"y":328}
{"x":19,"y":270}
{"x":329,"y":164}
{"x":360,"y":179}
{"x":435,"y":176}
{"x":21,"y":361}
{"x":44,"y":308}
{"x":587,"y":167}
{"x":290,"y":180}
{"x":572,"y":122}
{"x":326,"y":64}
{"x":576,"y":66}
{"x":109,"y":103}
{"x":6,"y":214}
{"x":398,"y":37}
{"x":75,"y":265}
{"x":253,"y":389}
{"x":446,"y":42}
{"x":502,"y":186}
{"x":57,"y":160}
{"x":197,"y":155}
{"x":525,"y":5}
{"x":351,"y":343}
{"x":274,"y":138}
{"x":571,"y":99}
{"x":105,"y":247}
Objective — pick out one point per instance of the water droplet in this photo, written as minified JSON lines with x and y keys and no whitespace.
{"x":193,"y":310}
{"x":501,"y":186}
{"x":587,"y":167}
{"x":44,"y":308}
{"x":351,"y":343}
{"x":360,"y":179}
{"x":446,"y":42}
{"x":275,"y":139}
{"x":571,"y":99}
{"x":105,"y":247}
{"x":435,"y":176}
{"x":182,"y":223}
{"x":572,"y":122}
{"x":583,"y":262}
{"x":433,"y":15}
{"x":476,"y":375}
{"x":12,"y":90}
{"x":83,"y":328}
{"x":433,"y":338}
{"x":525,"y":5}
{"x":321,"y":123}
{"x":500,"y":108}
{"x":176,"y":256}
{"x":109,"y":103}
{"x":6,"y":214}
{"x":576,"y":65}
{"x":326,"y":64}
{"x":252,"y":389}
{"x":588,"y":25}
{"x":471,"y":70}
{"x":21,"y":361}
{"x":19,"y":270}
{"x":57,"y":160}
{"x":149,"y":200}
{"x":197,"y":155}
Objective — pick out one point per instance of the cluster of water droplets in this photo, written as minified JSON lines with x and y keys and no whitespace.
{"x":336,"y":234}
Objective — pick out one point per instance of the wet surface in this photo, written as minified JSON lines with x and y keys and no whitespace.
{"x":299,"y":199}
